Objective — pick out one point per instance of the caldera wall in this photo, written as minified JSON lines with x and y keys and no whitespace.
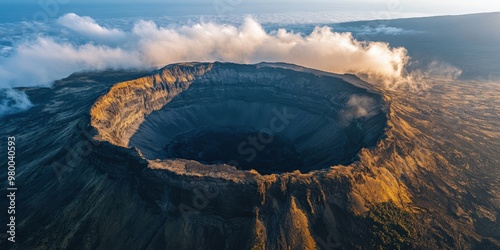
{"x":320,"y":121}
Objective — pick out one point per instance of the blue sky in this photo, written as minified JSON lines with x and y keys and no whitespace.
{"x":441,"y":7}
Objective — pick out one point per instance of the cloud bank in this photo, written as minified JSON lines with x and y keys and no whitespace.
{"x":90,"y":46}
{"x":40,"y":61}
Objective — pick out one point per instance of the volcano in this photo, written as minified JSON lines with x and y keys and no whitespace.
{"x":231,"y":156}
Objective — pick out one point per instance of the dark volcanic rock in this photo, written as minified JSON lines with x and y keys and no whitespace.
{"x":116,"y":160}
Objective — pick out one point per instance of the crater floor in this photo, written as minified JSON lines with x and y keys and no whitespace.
{"x":248,"y":149}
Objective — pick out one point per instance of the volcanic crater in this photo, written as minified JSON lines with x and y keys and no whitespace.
{"x":265,"y":156}
{"x":263,"y":117}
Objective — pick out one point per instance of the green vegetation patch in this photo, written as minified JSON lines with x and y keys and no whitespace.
{"x":391,"y":227}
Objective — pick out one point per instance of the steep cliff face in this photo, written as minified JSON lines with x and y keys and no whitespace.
{"x":109,"y":177}
{"x":128,"y":102}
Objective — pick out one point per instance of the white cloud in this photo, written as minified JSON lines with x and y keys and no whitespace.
{"x":322,"y":49}
{"x":12,"y":101}
{"x":42,"y":60}
{"x":45,"y":59}
{"x":89,"y":27}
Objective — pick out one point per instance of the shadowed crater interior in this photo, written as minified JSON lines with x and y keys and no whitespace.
{"x":252,"y":117}
{"x":248,"y":149}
